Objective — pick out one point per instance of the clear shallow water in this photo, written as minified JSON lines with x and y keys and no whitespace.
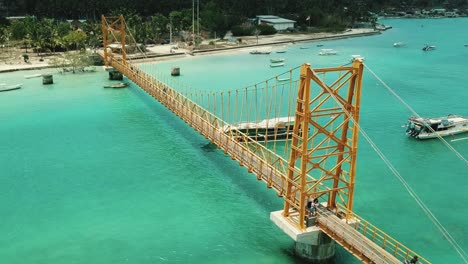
{"x":93,"y":175}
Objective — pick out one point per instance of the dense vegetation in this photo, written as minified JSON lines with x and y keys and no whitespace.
{"x":151,"y":20}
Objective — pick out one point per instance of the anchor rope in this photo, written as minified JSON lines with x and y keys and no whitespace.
{"x":410,"y":190}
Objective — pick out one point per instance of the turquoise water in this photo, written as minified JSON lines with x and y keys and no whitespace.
{"x":93,"y":175}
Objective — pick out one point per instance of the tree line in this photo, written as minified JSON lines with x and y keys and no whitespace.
{"x":151,"y":21}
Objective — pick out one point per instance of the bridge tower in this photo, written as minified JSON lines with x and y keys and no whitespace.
{"x":322,"y":162}
{"x":113,"y":30}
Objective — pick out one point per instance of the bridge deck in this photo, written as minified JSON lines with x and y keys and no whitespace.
{"x":268,"y":167}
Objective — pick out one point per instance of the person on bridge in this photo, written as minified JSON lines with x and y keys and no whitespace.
{"x":414,"y":260}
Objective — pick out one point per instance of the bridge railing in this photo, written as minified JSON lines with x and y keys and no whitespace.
{"x":380,"y":238}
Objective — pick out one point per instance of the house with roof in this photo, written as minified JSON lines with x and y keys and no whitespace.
{"x":279,"y":23}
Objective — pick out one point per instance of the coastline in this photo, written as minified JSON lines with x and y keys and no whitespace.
{"x":163,"y":52}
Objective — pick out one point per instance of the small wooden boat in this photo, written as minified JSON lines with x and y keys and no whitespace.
{"x":274,"y":65}
{"x":280,"y":51}
{"x":10,"y":88}
{"x":319,"y":45}
{"x":276,"y":60}
{"x":33,"y":76}
{"x":283,"y":79}
{"x":117,"y":85}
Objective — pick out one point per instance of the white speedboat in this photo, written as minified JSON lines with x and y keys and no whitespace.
{"x":357,"y":57}
{"x":399,"y":44}
{"x":425,"y":128}
{"x":280,"y":128}
{"x":428,"y":47}
{"x":327,"y":52}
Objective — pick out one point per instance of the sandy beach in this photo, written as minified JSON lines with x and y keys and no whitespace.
{"x":14,"y":60}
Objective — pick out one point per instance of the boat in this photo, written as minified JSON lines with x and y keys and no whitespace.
{"x":327,"y":52}
{"x":426,"y":128}
{"x":280,"y":51}
{"x":429,"y":47}
{"x":33,"y":76}
{"x":273,"y":65}
{"x":260,"y":52}
{"x":319,"y":45}
{"x":466,"y":45}
{"x":275,"y":129}
{"x":276,"y":60}
{"x":284,"y":79}
{"x":357,"y":57}
{"x":399,"y":44}
{"x":117,"y":85}
{"x":303,"y":47}
{"x":10,"y":87}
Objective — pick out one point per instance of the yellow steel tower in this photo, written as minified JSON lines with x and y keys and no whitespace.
{"x":113,"y":32}
{"x":322,"y":163}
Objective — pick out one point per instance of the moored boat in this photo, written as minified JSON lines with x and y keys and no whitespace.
{"x":274,"y":65}
{"x":280,"y":128}
{"x":357,"y":57}
{"x":10,"y":87}
{"x":276,"y":60}
{"x":117,"y":85}
{"x":327,"y":52}
{"x":399,"y":44}
{"x":261,"y":52}
{"x":426,"y":128}
{"x":33,"y":76}
{"x":428,"y":47}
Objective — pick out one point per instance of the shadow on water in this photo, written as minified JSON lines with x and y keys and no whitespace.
{"x":209,"y":147}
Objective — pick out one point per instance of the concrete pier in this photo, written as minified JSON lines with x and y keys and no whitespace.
{"x":47,"y":79}
{"x":115,"y":76}
{"x":311,"y":244}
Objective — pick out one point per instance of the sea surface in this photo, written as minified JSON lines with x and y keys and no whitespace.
{"x":94,"y":175}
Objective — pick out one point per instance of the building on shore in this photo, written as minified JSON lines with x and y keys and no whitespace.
{"x":279,"y":23}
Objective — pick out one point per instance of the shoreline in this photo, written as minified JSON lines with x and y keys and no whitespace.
{"x":266,"y":41}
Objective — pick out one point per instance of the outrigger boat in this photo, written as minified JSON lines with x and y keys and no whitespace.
{"x":276,"y":60}
{"x":117,"y":85}
{"x":274,"y":65}
{"x":280,"y":128}
{"x":429,"y":48}
{"x":10,"y":88}
{"x":425,"y":128}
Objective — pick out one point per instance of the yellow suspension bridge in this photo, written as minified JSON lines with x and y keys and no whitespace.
{"x":317,"y":118}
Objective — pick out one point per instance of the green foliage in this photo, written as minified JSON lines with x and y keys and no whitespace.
{"x":72,"y":61}
{"x":266,"y":29}
{"x":75,"y":39}
{"x":242,"y":30}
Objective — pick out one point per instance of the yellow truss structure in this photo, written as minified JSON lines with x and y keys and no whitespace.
{"x":113,"y":32}
{"x":324,"y":144}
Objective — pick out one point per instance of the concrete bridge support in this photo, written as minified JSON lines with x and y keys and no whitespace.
{"x":311,"y":244}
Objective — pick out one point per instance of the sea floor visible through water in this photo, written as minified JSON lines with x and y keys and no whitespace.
{"x":94,"y":175}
